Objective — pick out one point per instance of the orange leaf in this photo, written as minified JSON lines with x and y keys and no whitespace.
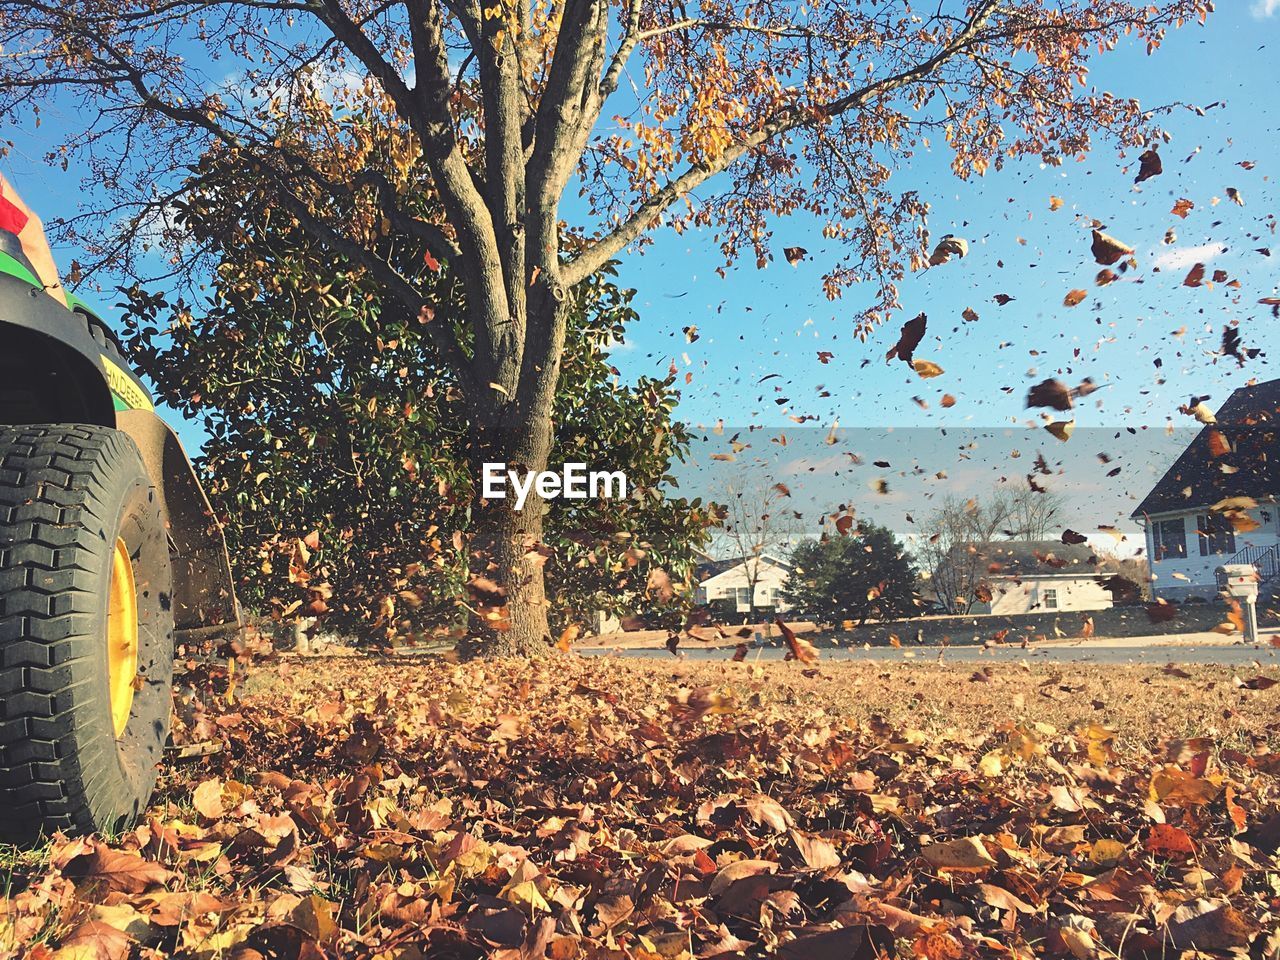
{"x":797,"y":648}
{"x":1165,"y":840}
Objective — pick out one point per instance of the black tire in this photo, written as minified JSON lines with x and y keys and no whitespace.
{"x":67,"y":492}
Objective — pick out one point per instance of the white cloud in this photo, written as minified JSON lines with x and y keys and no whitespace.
{"x":617,"y":346}
{"x":1266,"y":8}
{"x":1183,"y":258}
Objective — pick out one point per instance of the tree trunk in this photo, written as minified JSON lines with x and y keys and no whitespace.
{"x":504,"y":548}
{"x":517,"y":431}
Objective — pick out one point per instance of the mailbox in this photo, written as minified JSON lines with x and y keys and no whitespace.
{"x":1241,"y":579}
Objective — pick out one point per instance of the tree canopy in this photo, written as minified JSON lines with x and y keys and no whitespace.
{"x":337,"y":446}
{"x":855,"y":576}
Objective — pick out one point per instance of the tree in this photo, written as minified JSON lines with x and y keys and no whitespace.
{"x":336,"y":448}
{"x":754,"y":520}
{"x":865,"y":573}
{"x":499,"y":108}
{"x":958,"y":530}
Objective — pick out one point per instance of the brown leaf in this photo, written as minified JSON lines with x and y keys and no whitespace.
{"x":612,"y":911}
{"x":947,"y":248}
{"x":817,"y":853}
{"x":1256,"y":683}
{"x":797,"y":647}
{"x":567,"y":636}
{"x":908,"y":339}
{"x":106,"y":869}
{"x":1002,"y":899}
{"x":93,"y":940}
{"x":1221,"y":929}
{"x":1107,"y":250}
{"x":962,"y":852}
{"x":738,"y":870}
{"x":1061,"y":429}
{"x":767,"y":812}
{"x":1074,"y":298}
{"x":843,"y":943}
{"x":1166,"y":840}
{"x":1050,"y":393}
{"x":658,"y":584}
{"x":1149,"y":166}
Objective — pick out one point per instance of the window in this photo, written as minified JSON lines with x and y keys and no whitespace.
{"x":1169,"y":538}
{"x":1049,"y":599}
{"x":743,"y":596}
{"x":1216,"y":534}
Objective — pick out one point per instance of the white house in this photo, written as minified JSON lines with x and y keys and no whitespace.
{"x":1195,"y":518}
{"x":731,"y":580}
{"x":1041,"y":576}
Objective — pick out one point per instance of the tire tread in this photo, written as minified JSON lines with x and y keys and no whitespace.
{"x":50,"y":510}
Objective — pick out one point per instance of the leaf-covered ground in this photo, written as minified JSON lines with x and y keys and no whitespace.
{"x":596,"y":808}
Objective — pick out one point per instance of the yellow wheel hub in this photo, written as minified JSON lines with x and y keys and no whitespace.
{"x":122,"y":636}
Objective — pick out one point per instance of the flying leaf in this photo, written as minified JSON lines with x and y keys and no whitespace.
{"x":1149,"y":166}
{"x":1050,"y":393}
{"x":1061,"y":429}
{"x":947,"y":248}
{"x":908,"y":339}
{"x":1107,"y":250}
{"x":797,"y":647}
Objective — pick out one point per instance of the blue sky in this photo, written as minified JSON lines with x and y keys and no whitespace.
{"x":775,"y":321}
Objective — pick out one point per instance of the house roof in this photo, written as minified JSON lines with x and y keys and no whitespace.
{"x":1036,"y":558}
{"x":1249,"y":422}
{"x":713,"y":568}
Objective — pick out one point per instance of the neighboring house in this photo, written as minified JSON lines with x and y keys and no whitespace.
{"x":1040,"y":576}
{"x":1239,"y":456}
{"x":731,"y":580}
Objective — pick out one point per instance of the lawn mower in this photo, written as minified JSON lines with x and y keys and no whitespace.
{"x":109,"y":557}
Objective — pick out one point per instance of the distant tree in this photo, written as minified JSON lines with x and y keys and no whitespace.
{"x":952,"y":554}
{"x":856,"y":576}
{"x":755,"y":520}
